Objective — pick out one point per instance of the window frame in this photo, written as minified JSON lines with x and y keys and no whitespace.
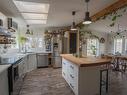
{"x":97,"y":46}
{"x":115,"y":48}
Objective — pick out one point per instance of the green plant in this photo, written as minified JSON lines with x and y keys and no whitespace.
{"x":22,"y":40}
{"x":93,"y":48}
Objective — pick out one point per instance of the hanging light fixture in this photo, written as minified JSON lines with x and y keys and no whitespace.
{"x":73,"y":27}
{"x":28,"y":30}
{"x":87,"y":19}
{"x":118,"y":33}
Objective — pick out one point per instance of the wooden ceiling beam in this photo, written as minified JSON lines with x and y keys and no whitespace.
{"x":109,"y":9}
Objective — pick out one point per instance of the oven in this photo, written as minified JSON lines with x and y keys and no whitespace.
{"x":12,"y":77}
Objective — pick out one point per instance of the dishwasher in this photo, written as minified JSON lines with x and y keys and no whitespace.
{"x":42,"y":60}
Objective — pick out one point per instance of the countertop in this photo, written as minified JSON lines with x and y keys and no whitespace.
{"x":86,"y":61}
{"x":13,"y":58}
{"x":10,"y":60}
{"x":4,"y":67}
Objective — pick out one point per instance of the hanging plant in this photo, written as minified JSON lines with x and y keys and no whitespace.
{"x":114,"y":15}
{"x":94,"y":36}
{"x":112,"y":24}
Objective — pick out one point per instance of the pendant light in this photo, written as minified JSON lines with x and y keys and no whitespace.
{"x":28,"y":30}
{"x":73,"y":27}
{"x":87,"y":19}
{"x":118,"y":33}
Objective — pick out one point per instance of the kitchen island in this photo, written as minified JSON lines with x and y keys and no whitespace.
{"x":83,"y":74}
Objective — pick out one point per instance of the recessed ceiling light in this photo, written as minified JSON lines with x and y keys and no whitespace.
{"x":31,"y":7}
{"x":34,"y":16}
{"x":36,"y":21}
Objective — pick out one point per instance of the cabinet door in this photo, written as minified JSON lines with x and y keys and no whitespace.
{"x":64,"y":69}
{"x":73,"y":76}
{"x":4,"y":83}
{"x":20,"y":69}
{"x":32,"y":63}
{"x":25,"y":64}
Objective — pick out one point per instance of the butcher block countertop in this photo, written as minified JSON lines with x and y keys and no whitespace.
{"x":86,"y":61}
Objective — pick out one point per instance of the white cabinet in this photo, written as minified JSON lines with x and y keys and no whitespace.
{"x":32,"y":62}
{"x":64,"y":69}
{"x":27,"y":64}
{"x":82,"y":80}
{"x":70,"y":74}
{"x":21,"y":68}
{"x":4,"y":83}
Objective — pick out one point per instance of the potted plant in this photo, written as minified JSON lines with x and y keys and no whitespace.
{"x":93,"y":48}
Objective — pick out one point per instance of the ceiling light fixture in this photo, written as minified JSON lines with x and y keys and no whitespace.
{"x":34,"y":16}
{"x":31,"y":7}
{"x":31,"y":22}
{"x":28,"y":30}
{"x":33,"y":13}
{"x":87,"y":19}
{"x":73,"y":27}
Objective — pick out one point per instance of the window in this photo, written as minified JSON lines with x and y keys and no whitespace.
{"x":125,"y":46}
{"x":118,"y":45}
{"x":40,"y":42}
{"x":35,"y":43}
{"x":92,"y":47}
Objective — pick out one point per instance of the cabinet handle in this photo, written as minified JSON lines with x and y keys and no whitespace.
{"x":71,"y":67}
{"x":64,"y":63}
{"x":71,"y":76}
{"x":71,"y":86}
{"x":64,"y":73}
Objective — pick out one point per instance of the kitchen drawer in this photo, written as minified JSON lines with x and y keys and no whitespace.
{"x":72,"y":69}
{"x":72,"y":77}
{"x":64,"y":75}
{"x":64,"y":60}
{"x":72,"y":85}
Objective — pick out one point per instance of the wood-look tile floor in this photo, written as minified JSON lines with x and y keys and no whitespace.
{"x":49,"y":81}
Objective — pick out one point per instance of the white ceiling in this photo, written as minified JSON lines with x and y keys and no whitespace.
{"x":60,"y":10}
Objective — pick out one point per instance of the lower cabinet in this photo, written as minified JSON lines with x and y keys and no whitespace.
{"x":32,"y":62}
{"x":26,"y":64}
{"x":82,"y":80}
{"x":70,"y":74}
{"x":4,"y":83}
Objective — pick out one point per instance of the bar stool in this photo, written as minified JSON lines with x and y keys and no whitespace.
{"x":114,"y":62}
{"x":103,"y":82}
{"x":123,"y":64}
